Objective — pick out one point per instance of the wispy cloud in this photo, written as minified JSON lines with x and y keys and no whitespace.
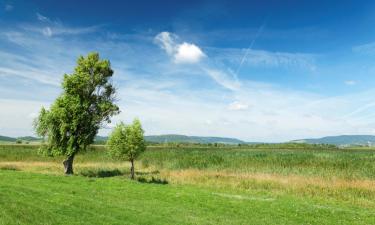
{"x":260,"y":30}
{"x":350,"y":82}
{"x":223,"y":78}
{"x":202,"y":98}
{"x":192,"y":54}
{"x":42,"y":18}
{"x":236,"y":105}
{"x":368,"y":48}
{"x":263,"y":58}
{"x":49,"y":27}
{"x":8,"y":7}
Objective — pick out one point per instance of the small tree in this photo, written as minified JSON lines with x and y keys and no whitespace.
{"x":73,"y":120}
{"x":126,"y":142}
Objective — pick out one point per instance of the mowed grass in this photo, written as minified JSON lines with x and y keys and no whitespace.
{"x":29,"y":198}
{"x":265,"y":186}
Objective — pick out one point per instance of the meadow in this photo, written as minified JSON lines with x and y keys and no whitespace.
{"x":191,"y":185}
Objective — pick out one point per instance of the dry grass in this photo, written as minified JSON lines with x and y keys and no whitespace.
{"x":57,"y":168}
{"x":193,"y":176}
{"x":355,"y":191}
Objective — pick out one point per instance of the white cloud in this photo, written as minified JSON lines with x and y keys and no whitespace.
{"x":42,"y":18}
{"x":50,"y":28}
{"x":59,"y":29}
{"x":47,"y":32}
{"x":188,"y":53}
{"x":236,"y":105}
{"x":166,"y":41}
{"x":223,"y":78}
{"x":180,"y":52}
{"x":350,"y":82}
{"x":8,"y":7}
{"x":168,"y":103}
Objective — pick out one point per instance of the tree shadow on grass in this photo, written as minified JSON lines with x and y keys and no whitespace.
{"x":153,"y":180}
{"x":147,"y":173}
{"x":101,"y":173}
{"x":11,"y":168}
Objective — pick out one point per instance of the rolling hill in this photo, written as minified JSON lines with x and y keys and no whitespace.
{"x":175,"y":138}
{"x":152,"y":138}
{"x":341,"y":140}
{"x":191,"y":139}
{"x":25,"y":138}
{"x":7,"y":139}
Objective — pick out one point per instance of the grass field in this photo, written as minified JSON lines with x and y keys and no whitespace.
{"x":191,"y":186}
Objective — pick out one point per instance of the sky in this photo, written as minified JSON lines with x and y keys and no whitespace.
{"x":267,"y":71}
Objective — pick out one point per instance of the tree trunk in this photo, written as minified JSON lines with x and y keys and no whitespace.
{"x":132,"y":169}
{"x":68,"y":165}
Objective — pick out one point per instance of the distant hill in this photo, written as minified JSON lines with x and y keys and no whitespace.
{"x":29,"y":138}
{"x":175,"y":138}
{"x":25,"y":138}
{"x":191,"y":139}
{"x":7,"y":139}
{"x":341,"y":140}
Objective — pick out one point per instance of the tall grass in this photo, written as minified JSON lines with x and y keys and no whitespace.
{"x":326,"y":163}
{"x":341,"y":163}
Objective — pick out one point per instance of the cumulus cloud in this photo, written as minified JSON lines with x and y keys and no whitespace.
{"x":188,"y":53}
{"x":180,"y":52}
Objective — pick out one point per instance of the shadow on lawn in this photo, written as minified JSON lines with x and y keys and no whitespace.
{"x":153,"y":180}
{"x":12,"y":168}
{"x":101,"y":173}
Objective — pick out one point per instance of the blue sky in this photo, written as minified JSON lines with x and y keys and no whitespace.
{"x":255,"y":70}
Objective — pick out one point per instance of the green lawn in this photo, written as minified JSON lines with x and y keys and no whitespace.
{"x":27,"y":198}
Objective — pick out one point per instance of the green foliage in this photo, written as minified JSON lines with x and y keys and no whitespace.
{"x":18,"y":141}
{"x":127,"y":141}
{"x":86,"y":102}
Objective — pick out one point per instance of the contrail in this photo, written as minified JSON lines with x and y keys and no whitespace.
{"x":260,"y":30}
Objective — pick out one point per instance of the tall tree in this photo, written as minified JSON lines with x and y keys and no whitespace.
{"x":85,"y":105}
{"x":127,"y":142}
